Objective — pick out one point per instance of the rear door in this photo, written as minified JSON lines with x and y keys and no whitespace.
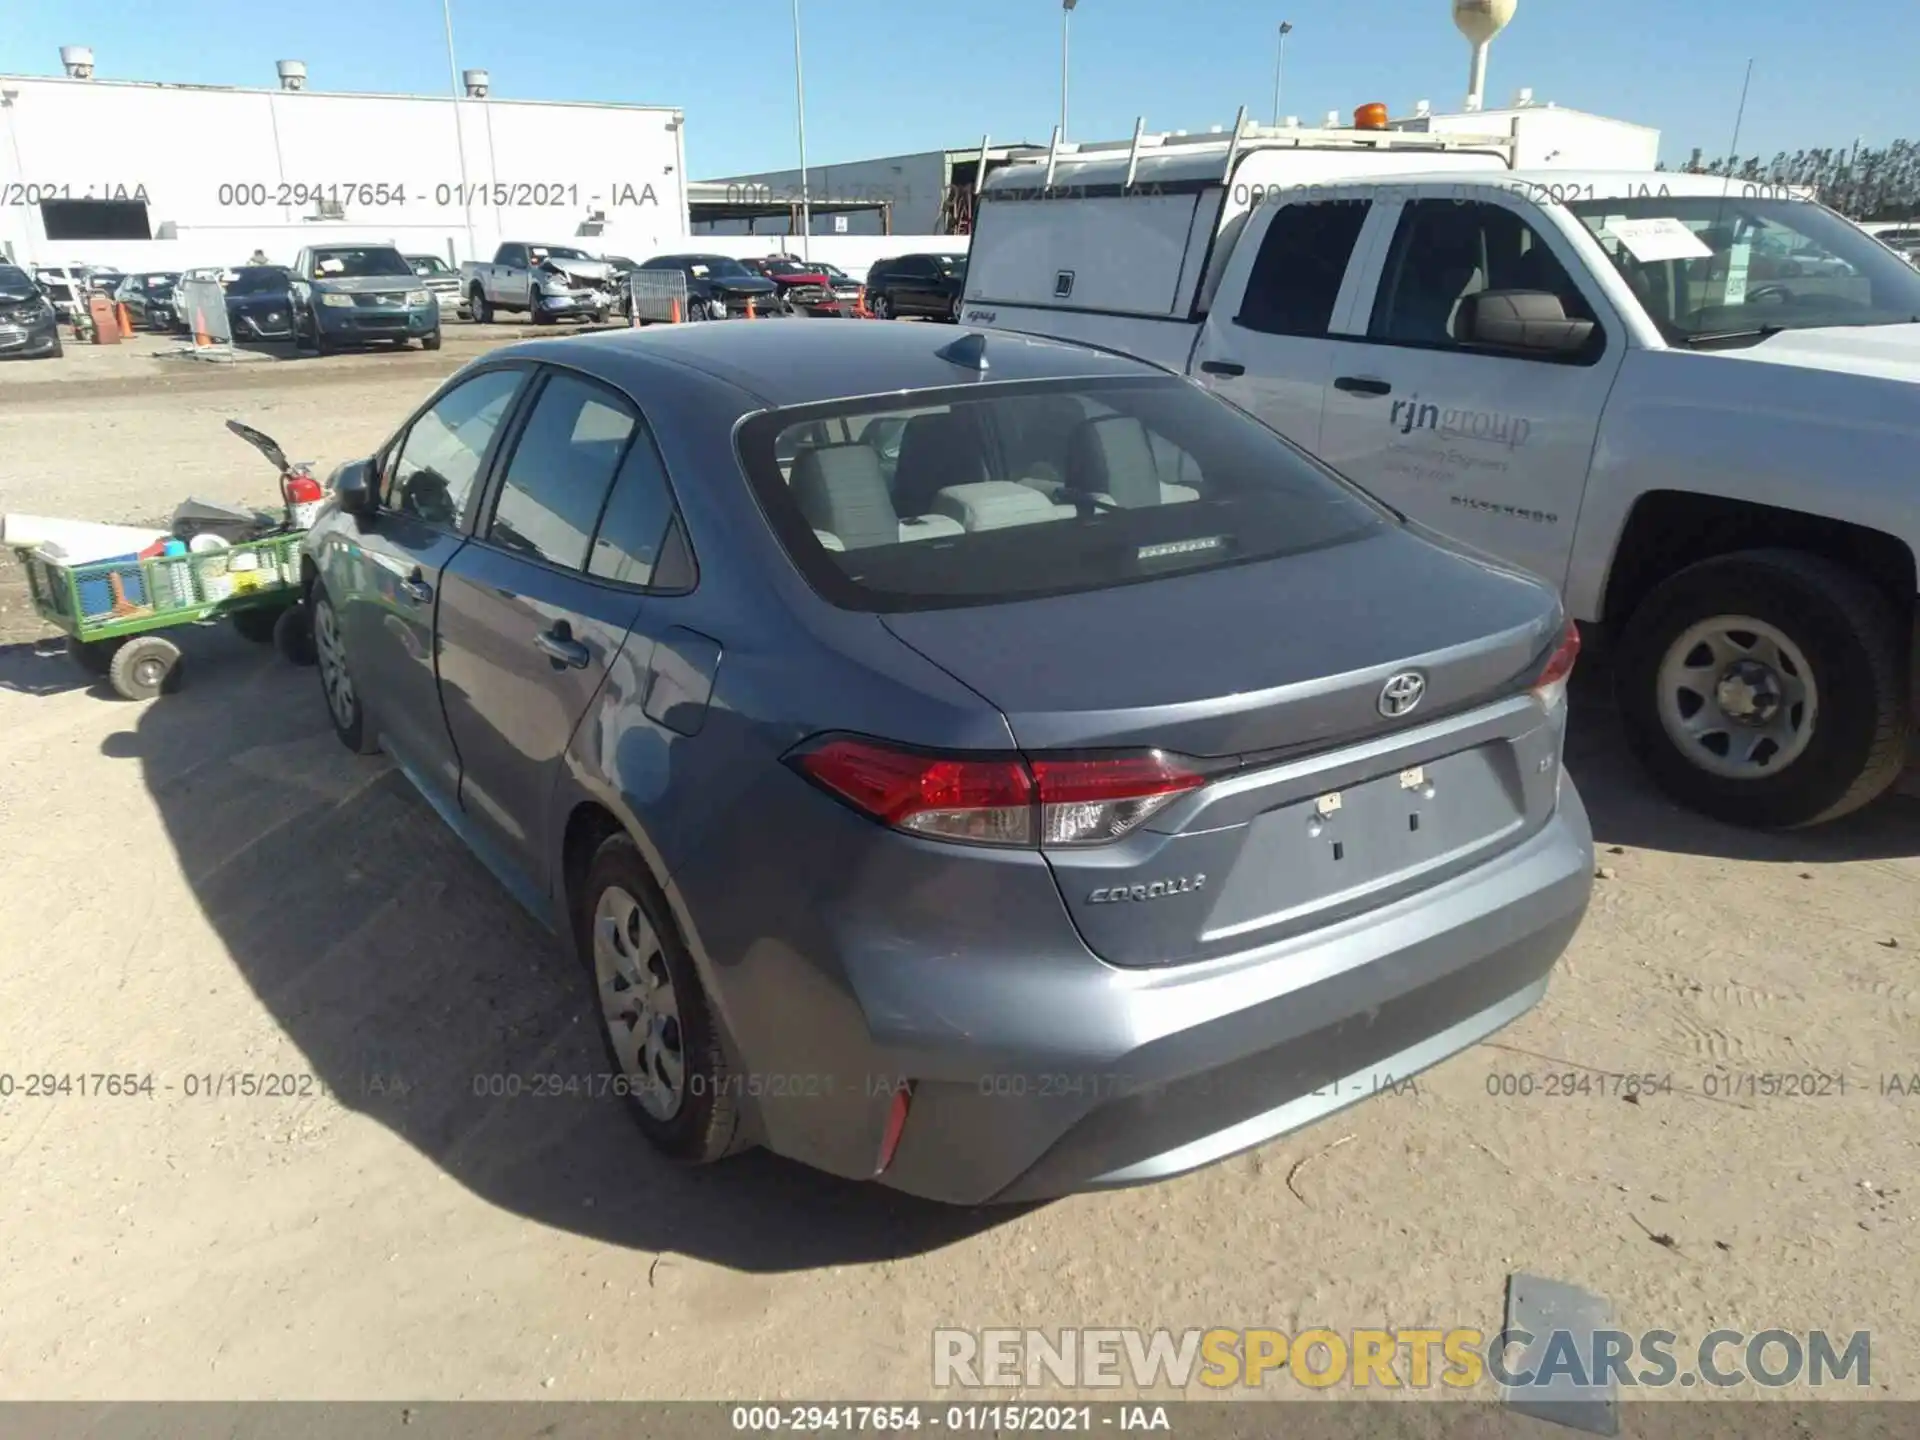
{"x":535,"y":608}
{"x":1487,"y":445}
{"x":385,"y":579}
{"x":1267,"y":344}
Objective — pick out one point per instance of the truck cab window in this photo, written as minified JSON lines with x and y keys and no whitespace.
{"x":1445,"y":251}
{"x":1297,"y":275}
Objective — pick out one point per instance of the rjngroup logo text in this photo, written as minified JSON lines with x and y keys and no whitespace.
{"x":1408,"y":416}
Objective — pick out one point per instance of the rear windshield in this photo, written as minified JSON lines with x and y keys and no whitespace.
{"x":990,"y":493}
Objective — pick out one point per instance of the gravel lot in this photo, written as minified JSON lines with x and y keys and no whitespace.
{"x":210,"y":884}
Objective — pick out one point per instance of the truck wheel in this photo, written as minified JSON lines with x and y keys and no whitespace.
{"x":1766,"y":689}
{"x":482,"y":311}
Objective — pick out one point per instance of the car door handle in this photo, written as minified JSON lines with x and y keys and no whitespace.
{"x":558,"y":644}
{"x":1223,"y":367}
{"x":1362,"y":385}
{"x":416,"y":588}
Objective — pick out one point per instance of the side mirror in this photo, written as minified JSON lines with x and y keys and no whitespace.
{"x":1530,"y":320}
{"x":355,"y":489}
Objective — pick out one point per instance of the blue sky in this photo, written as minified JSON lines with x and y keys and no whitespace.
{"x":890,"y":76}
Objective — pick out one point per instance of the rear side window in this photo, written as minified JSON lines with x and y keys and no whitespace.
{"x":627,"y":547}
{"x":562,"y":467}
{"x":1302,"y":263}
{"x":1006,"y":492}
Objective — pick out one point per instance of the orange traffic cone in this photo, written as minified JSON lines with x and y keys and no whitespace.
{"x":673,"y":312}
{"x":125,"y":317}
{"x":749,"y":307}
{"x":860,"y":311}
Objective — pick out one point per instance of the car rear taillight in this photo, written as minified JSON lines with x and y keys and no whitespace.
{"x":1550,"y":685}
{"x":999,"y":799}
{"x":1089,"y":802}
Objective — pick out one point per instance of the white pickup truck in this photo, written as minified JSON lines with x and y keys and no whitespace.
{"x":1691,"y":403}
{"x":548,"y":282}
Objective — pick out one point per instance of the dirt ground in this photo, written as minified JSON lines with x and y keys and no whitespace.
{"x":209,"y":885}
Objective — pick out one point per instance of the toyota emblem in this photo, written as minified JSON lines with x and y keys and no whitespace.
{"x":1402,"y":693}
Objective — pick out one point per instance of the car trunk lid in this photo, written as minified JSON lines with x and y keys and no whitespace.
{"x":1325,"y":797}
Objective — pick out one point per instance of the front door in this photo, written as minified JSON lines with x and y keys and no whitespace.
{"x":386,"y":588}
{"x":534,"y":610}
{"x":1267,"y":350}
{"x":1490,"y":446}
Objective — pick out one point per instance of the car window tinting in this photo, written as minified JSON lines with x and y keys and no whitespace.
{"x":1297,"y":275}
{"x":1009,"y":492}
{"x":562,"y":465}
{"x":629,"y":539}
{"x":433,"y":474}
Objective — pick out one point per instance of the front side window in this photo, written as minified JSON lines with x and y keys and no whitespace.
{"x":433,"y":473}
{"x":1006,"y":492}
{"x":1713,"y":269}
{"x":562,"y":466}
{"x":1444,"y":252}
{"x":1297,"y":275}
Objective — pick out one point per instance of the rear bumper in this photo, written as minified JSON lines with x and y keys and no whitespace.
{"x":1035,"y":1075}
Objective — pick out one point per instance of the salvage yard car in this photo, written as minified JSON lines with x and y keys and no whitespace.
{"x":443,"y":282}
{"x":1024,"y":797}
{"x":549,"y":282}
{"x":720,"y":287}
{"x":929,"y":286}
{"x":260,"y":304}
{"x":346,"y":295}
{"x":149,"y":299}
{"x":1691,"y":403}
{"x":29,"y":324}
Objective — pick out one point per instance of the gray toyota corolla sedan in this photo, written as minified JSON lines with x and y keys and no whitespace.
{"x":988,"y":765}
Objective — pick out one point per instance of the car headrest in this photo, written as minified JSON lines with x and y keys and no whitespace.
{"x":936,"y":451}
{"x":1112,"y":455}
{"x":840,"y":490}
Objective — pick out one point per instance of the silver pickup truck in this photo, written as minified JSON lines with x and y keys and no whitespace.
{"x":548,"y":282}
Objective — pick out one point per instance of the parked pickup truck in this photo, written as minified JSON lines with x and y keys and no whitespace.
{"x":546,"y":281}
{"x":1692,"y":403}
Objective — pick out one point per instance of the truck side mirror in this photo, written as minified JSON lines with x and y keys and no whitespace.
{"x":1531,"y":320}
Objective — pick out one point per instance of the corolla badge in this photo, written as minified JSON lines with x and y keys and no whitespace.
{"x":1402,"y":693}
{"x":1158,"y":889}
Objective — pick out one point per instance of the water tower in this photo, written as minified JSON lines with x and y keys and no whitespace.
{"x":1480,"y":21}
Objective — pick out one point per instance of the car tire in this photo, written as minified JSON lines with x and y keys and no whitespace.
{"x":146,"y":666}
{"x":644,"y":979}
{"x":1792,"y":624}
{"x":953,"y":311}
{"x":430,"y":341}
{"x":879,"y":306}
{"x":256,"y":625}
{"x":94,"y":656}
{"x":337,"y":688}
{"x":293,"y":636}
{"x":482,"y":311}
{"x":59,"y":348}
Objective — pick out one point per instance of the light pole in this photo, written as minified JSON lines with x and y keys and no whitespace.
{"x":1066,"y":10}
{"x":1280,"y":67}
{"x":459,"y":133}
{"x":800,"y":101}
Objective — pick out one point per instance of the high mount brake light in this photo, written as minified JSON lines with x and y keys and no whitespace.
{"x":999,"y":800}
{"x":1550,"y":685}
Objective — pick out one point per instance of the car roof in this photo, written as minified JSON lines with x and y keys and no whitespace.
{"x":786,"y":362}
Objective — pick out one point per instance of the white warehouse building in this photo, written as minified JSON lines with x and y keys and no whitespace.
{"x":149,"y":176}
{"x":929,"y":193}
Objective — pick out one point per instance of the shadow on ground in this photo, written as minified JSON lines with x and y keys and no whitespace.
{"x":420,"y":992}
{"x":427,"y":1001}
